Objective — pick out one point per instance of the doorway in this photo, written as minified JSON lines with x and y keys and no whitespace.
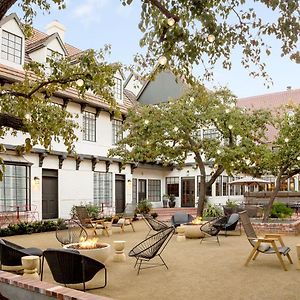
{"x":120,"y":193}
{"x":188,"y":192}
{"x":142,"y":190}
{"x":49,"y":194}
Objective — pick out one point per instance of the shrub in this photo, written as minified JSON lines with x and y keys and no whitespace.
{"x":92,"y":210}
{"x":143,"y":207}
{"x":280,"y":210}
{"x":231,"y":203}
{"x":212,"y":211}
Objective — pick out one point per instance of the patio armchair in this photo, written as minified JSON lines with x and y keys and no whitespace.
{"x":153,"y":224}
{"x":150,"y":248}
{"x":11,"y":255}
{"x":181,"y":218}
{"x":71,"y":267}
{"x":266,"y":245}
{"x":126,"y":217}
{"x":212,"y":228}
{"x":87,"y":222}
{"x":70,"y":231}
{"x":231,"y":223}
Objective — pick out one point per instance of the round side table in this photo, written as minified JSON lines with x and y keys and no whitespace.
{"x":30,"y":264}
{"x":180,"y":234}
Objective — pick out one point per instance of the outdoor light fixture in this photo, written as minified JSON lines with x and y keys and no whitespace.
{"x":36,"y":180}
{"x":211,"y":38}
{"x":27,"y":116}
{"x":230,"y":127}
{"x":171,"y":22}
{"x":79,"y":82}
{"x":162,"y":60}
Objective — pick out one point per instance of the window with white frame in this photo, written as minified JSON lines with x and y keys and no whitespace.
{"x":219,"y":186}
{"x":11,"y":47}
{"x":225,"y":185}
{"x":117,"y":133}
{"x":117,"y":90}
{"x":211,"y":133}
{"x":89,"y":126}
{"x":103,"y":189}
{"x":15,"y":188}
{"x":134,"y":190}
{"x":172,"y":185}
{"x":154,"y":190}
{"x":209,"y":190}
{"x":54,"y":55}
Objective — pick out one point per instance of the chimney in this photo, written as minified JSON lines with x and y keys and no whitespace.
{"x":288,"y":88}
{"x":56,"y":27}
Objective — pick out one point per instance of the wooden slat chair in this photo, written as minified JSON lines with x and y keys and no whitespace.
{"x":266,"y":244}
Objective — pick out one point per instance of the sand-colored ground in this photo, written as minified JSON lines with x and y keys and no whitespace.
{"x":196,"y":271}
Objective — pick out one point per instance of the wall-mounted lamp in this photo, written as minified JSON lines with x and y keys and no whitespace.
{"x":36,"y":180}
{"x":129,"y":181}
{"x":188,"y":173}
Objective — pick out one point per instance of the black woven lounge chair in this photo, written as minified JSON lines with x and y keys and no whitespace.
{"x":150,"y":248}
{"x":153,"y":224}
{"x":70,"y":231}
{"x":231,"y":223}
{"x":11,"y":255}
{"x":70,"y":267}
{"x":212,"y":228}
{"x":266,"y":244}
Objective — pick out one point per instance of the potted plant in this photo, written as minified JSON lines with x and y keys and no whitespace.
{"x":143,"y":207}
{"x":165,"y":200}
{"x":172,"y":201}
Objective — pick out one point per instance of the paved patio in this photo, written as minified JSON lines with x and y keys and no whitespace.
{"x":200,"y":271}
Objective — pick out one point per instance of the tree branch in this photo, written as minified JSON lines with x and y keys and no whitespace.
{"x":163,"y":10}
{"x":5,"y":5}
{"x":7,"y":120}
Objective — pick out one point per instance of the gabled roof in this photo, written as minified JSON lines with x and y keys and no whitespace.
{"x":44,"y":42}
{"x":12,"y":16}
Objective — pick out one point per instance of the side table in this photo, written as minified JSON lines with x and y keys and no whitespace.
{"x":119,"y":255}
{"x":31,"y":265}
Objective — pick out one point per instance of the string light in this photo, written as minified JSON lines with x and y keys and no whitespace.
{"x":211,"y":38}
{"x":230,"y":127}
{"x":79,"y":82}
{"x":162,"y":60}
{"x":146,"y":122}
{"x":171,"y":22}
{"x":28,"y":116}
{"x":286,"y":140}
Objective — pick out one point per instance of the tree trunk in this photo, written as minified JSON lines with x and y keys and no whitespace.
{"x":10,"y":121}
{"x":5,"y":5}
{"x":272,"y":198}
{"x":202,"y":195}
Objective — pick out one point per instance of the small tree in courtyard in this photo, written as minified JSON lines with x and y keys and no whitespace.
{"x":168,"y":132}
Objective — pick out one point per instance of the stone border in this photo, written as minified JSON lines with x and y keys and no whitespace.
{"x":284,"y":228}
{"x":46,"y":289}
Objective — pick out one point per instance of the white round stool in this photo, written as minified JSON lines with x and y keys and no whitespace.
{"x":180,"y":234}
{"x":119,"y":255}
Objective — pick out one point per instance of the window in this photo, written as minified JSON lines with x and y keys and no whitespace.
{"x":54,"y":55}
{"x":103,"y":189}
{"x":219,"y":186}
{"x":117,"y":133}
{"x":154,"y":190}
{"x":14,"y":188}
{"x":89,"y":126}
{"x":117,"y":91}
{"x":134,"y":190}
{"x":172,"y":184}
{"x":11,"y":48}
{"x":208,"y":190}
{"x":225,"y":185}
{"x":210,"y":133}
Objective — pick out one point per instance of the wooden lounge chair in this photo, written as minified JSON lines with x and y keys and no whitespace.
{"x":266,"y":244}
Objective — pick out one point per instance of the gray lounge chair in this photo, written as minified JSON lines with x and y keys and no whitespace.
{"x":181,"y":218}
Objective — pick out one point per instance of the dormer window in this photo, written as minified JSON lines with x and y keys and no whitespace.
{"x":11,"y":47}
{"x":118,"y":89}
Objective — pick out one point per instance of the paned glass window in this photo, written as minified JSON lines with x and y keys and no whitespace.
{"x":103,"y":188}
{"x":172,"y":185}
{"x":118,"y":89}
{"x":11,"y":47}
{"x":134,"y":190}
{"x":89,"y":126}
{"x":211,"y":133}
{"x":117,"y":133}
{"x":154,"y":190}
{"x":15,"y":188}
{"x":54,"y":54}
{"x":225,"y":185}
{"x":219,"y":186}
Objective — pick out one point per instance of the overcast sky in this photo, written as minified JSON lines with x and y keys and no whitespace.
{"x":93,"y":23}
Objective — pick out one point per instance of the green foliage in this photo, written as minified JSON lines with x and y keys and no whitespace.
{"x":235,"y":25}
{"x":280,"y":210}
{"x":172,"y":198}
{"x":212,"y":211}
{"x":231,"y":203}
{"x":27,"y":228}
{"x":143,"y":207}
{"x":92,"y":210}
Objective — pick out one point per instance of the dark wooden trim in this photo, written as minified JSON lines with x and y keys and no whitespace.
{"x":79,"y":159}
{"x":41,"y":158}
{"x":83,"y":107}
{"x":66,"y":102}
{"x":95,"y":160}
{"x":98,"y":111}
{"x":61,"y":159}
{"x":107,"y":164}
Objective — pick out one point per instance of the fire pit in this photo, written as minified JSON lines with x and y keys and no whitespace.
{"x":92,"y":248}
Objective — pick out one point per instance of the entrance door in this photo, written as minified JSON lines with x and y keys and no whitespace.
{"x":120,"y":193}
{"x":188,"y":192}
{"x":142,"y":190}
{"x":49,"y":194}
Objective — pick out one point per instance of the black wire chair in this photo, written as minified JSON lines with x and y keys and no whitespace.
{"x":70,"y":267}
{"x":212,"y":228}
{"x":70,"y":231}
{"x":11,"y":254}
{"x":153,"y":224}
{"x":150,"y":248}
{"x":231,"y":223}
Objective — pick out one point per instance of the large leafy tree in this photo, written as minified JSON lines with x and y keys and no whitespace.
{"x":282,"y":157}
{"x":202,"y":32}
{"x":168,"y":132}
{"x":26,"y":104}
